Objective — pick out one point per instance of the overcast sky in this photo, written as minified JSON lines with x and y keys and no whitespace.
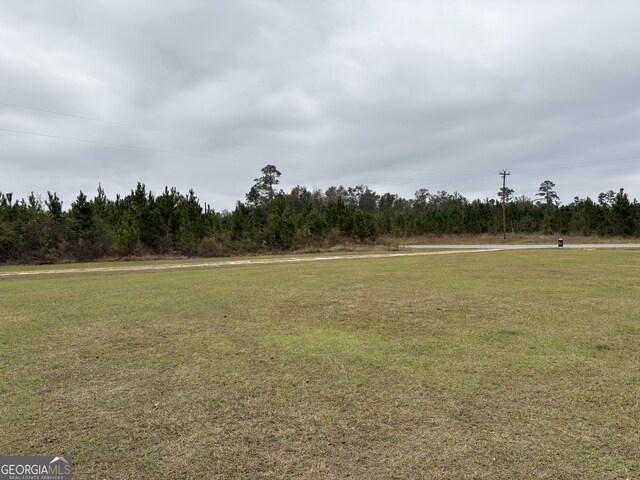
{"x":397,"y":95}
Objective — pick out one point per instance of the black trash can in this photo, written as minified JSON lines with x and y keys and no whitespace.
{"x":560,"y":243}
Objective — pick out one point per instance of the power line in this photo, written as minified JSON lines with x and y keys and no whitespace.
{"x":187,"y":154}
{"x":579,"y":163}
{"x":210,"y":139}
{"x":118,"y":145}
{"x":568,"y":165}
{"x":531,"y":168}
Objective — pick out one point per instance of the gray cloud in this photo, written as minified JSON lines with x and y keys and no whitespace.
{"x":397,"y":95}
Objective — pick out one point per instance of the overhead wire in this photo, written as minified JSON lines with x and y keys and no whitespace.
{"x":188,"y":154}
{"x":229,"y":142}
{"x":403,"y":181}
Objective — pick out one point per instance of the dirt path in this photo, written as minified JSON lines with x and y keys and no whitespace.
{"x":234,"y":263}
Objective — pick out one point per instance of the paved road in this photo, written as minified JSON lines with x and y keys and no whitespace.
{"x":528,"y":247}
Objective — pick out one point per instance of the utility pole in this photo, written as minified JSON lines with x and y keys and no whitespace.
{"x":504,"y":174}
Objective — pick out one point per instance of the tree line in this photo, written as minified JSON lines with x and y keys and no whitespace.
{"x":39,"y":230}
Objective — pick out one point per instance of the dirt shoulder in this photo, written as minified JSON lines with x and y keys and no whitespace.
{"x":233,"y":263}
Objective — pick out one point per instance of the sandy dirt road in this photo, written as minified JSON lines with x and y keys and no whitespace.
{"x":236,"y":263}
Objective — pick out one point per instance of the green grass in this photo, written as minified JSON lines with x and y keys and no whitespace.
{"x":518,"y":364}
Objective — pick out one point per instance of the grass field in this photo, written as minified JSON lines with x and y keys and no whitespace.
{"x":514,"y":364}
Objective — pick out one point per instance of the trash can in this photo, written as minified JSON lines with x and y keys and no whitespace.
{"x":560,"y":243}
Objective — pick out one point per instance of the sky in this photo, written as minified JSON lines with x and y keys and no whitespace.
{"x":397,"y":95}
